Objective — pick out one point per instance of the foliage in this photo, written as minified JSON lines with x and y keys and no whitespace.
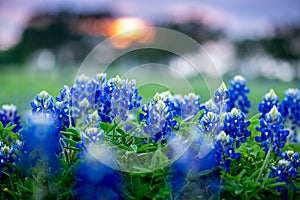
{"x":96,"y":141}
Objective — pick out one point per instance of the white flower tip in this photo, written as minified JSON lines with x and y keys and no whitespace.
{"x":44,"y":93}
{"x":271,"y":94}
{"x":222,"y":136}
{"x":234,"y":111}
{"x":82,"y":78}
{"x":209,"y":103}
{"x":239,"y":78}
{"x":223,"y":87}
{"x":9,"y":107}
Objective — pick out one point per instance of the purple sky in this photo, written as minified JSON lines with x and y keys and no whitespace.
{"x":238,"y":18}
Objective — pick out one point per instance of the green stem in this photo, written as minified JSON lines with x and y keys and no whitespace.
{"x":265,"y":161}
{"x":290,"y":191}
{"x":219,"y":193}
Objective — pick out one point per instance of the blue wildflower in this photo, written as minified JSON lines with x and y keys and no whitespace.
{"x":159,"y":118}
{"x":94,"y":180}
{"x":92,"y":120}
{"x":294,"y":162}
{"x":210,"y":123}
{"x":42,"y":136}
{"x":238,"y":94}
{"x":92,"y":135}
{"x":218,"y":103}
{"x":111,"y":98}
{"x":291,"y":111}
{"x":236,"y":127}
{"x":63,"y":104}
{"x":272,"y":131}
{"x":124,"y":97}
{"x":78,"y":100}
{"x":210,"y":106}
{"x":221,"y":95}
{"x":9,"y":156}
{"x":269,"y":100}
{"x":286,"y":171}
{"x":6,"y":156}
{"x":186,"y":106}
{"x":9,"y":114}
{"x":224,"y":151}
{"x":82,"y":96}
{"x":44,"y":104}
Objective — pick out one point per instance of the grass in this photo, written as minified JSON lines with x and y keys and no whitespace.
{"x":20,"y":85}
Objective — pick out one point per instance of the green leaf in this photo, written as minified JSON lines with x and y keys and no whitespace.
{"x":105,"y":126}
{"x":297,"y":185}
{"x":122,"y":132}
{"x":122,"y":146}
{"x":277,"y":184}
{"x":125,"y":192}
{"x":255,"y":117}
{"x":134,"y":147}
{"x":266,"y":176}
{"x":136,"y":187}
{"x":178,"y":120}
{"x":199,"y":114}
{"x":73,"y":148}
{"x":147,"y":148}
{"x":138,"y":116}
{"x":70,"y":142}
{"x":72,"y":132}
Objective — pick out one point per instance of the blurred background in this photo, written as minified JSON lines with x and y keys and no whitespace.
{"x":43,"y":42}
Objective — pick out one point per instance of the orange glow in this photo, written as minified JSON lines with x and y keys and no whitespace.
{"x":127,"y":30}
{"x":123,"y":31}
{"x":126,"y":27}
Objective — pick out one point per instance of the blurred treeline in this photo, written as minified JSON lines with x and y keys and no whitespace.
{"x":69,"y":37}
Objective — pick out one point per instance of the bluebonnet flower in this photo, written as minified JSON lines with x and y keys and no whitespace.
{"x":111,"y":98}
{"x":269,"y":100}
{"x":82,"y":96}
{"x":286,"y":171}
{"x":44,"y":104}
{"x":210,"y":123}
{"x":42,"y":136}
{"x":103,"y":98}
{"x":94,"y":180}
{"x":236,"y":127}
{"x":224,"y":151}
{"x":64,"y":108}
{"x":9,"y":114}
{"x":9,"y":156}
{"x":158,"y":117}
{"x":6,"y":155}
{"x":217,"y":105}
{"x":186,"y":106}
{"x":213,"y":111}
{"x":238,"y":94}
{"x":210,"y":106}
{"x":221,"y":94}
{"x":92,"y":135}
{"x":90,"y":138}
{"x":272,"y":131}
{"x":294,"y":162}
{"x":124,"y":97}
{"x":199,"y":156}
{"x":291,"y":111}
{"x":92,"y":120}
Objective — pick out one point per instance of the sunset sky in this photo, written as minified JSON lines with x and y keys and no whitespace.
{"x":238,"y":18}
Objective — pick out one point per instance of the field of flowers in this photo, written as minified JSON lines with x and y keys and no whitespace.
{"x":96,"y":140}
